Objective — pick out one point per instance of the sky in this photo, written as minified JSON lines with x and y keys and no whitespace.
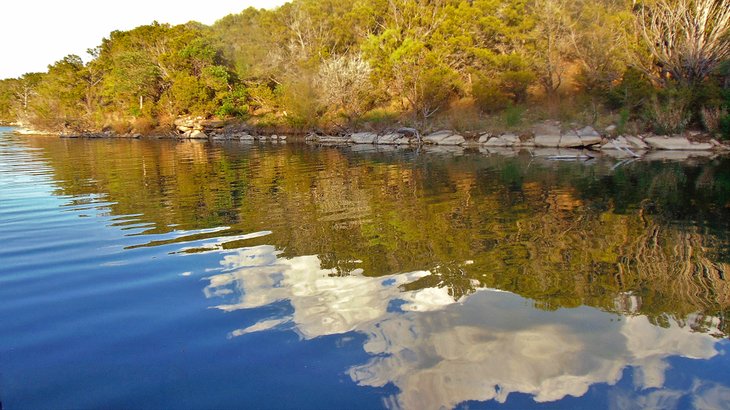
{"x":36,"y":33}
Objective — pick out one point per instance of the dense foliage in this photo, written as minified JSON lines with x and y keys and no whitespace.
{"x":366,"y":63}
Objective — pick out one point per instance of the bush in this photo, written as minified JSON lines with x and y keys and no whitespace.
{"x":513,"y":116}
{"x":711,"y":118}
{"x":489,"y":96}
{"x":670,"y":116}
{"x":144,"y":125}
{"x":724,"y":127}
{"x":515,"y":84}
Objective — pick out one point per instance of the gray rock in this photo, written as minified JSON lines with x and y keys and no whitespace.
{"x":588,"y":132}
{"x":484,"y":138}
{"x":636,"y":142}
{"x":610,"y":129}
{"x":452,"y":140}
{"x":388,"y":139}
{"x":676,"y":143}
{"x":620,"y":143}
{"x":330,"y":139}
{"x":547,"y":141}
{"x":497,"y":142}
{"x":197,"y":135}
{"x":437,"y":136}
{"x":363,"y":137}
{"x":506,"y":140}
{"x":570,"y":141}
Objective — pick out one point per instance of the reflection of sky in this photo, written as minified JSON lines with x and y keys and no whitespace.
{"x":440,"y":352}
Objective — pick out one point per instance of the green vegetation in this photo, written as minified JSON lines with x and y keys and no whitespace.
{"x":334,"y":65}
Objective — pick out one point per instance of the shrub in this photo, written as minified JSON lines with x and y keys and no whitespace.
{"x":724,"y":127}
{"x":513,"y":116}
{"x":711,"y":118}
{"x":670,"y":116}
{"x":489,"y":96}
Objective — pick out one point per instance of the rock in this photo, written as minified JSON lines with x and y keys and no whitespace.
{"x":484,"y":138}
{"x":330,"y":139}
{"x":197,"y":135}
{"x":363,"y":137}
{"x":570,"y":141}
{"x":185,"y":122}
{"x":497,"y":142}
{"x":676,"y":143}
{"x":183,"y":128}
{"x":620,"y":143}
{"x":452,"y":140}
{"x":636,"y":142}
{"x":245,"y":137}
{"x":437,"y":137}
{"x":212,"y":124}
{"x":587,"y":132}
{"x":408,"y":132}
{"x":506,"y":140}
{"x":610,"y":129}
{"x":549,"y":141}
{"x":587,"y":141}
{"x":388,"y":139}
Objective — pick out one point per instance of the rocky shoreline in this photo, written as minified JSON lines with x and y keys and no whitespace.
{"x":543,"y":139}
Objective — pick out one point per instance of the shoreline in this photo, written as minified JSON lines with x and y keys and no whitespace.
{"x":544,"y":140}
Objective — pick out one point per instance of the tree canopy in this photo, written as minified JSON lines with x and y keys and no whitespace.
{"x":329,"y":64}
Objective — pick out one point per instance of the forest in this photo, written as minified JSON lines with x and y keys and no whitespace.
{"x":338,"y":65}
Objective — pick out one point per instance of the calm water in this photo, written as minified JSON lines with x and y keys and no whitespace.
{"x":162,"y":274}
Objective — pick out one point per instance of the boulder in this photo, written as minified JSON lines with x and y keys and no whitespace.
{"x":506,"y":140}
{"x":408,"y":132}
{"x":587,"y":132}
{"x":620,"y":143}
{"x":185,"y":122}
{"x":452,"y":140}
{"x":437,"y":136}
{"x":676,"y":143}
{"x":547,"y":141}
{"x":483,"y":138}
{"x":197,"y":135}
{"x":211,"y":124}
{"x":331,"y":139}
{"x":570,"y":141}
{"x":389,"y":139}
{"x":636,"y":142}
{"x":363,"y":137}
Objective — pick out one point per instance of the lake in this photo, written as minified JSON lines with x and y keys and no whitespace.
{"x":166,"y":274}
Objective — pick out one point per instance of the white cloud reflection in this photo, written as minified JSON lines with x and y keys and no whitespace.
{"x":440,"y":352}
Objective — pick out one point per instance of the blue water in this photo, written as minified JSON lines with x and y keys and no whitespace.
{"x":118,"y":294}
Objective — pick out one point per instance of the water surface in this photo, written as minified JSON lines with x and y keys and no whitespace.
{"x":163,"y":274}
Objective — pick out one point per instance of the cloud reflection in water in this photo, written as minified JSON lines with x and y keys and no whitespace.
{"x":441,"y":352}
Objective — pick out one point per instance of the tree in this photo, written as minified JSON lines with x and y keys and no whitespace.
{"x":345,"y":85}
{"x":687,"y":39}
